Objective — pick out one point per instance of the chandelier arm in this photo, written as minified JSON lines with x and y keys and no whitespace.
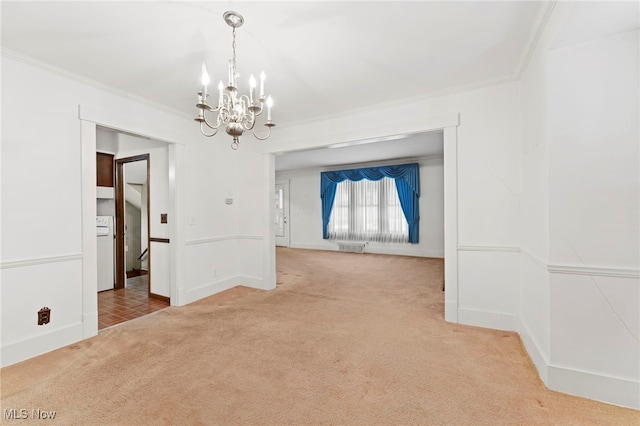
{"x":248,"y":121}
{"x":205,"y":133}
{"x":205,"y":121}
{"x":264,"y":138}
{"x":257,"y":113}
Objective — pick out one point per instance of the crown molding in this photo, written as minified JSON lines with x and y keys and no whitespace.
{"x":12,"y":54}
{"x":539,"y":26}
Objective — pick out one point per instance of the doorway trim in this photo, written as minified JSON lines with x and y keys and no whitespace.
{"x":121,"y":278}
{"x":287,"y":230}
{"x":90,"y":118}
{"x":448,"y":124}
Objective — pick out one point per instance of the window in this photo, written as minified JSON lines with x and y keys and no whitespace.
{"x":368,"y":211}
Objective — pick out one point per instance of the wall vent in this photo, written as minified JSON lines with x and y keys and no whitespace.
{"x":351,"y":247}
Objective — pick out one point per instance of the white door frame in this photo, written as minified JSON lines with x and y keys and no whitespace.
{"x":89,"y":119}
{"x":448,"y":124}
{"x":286,"y":240}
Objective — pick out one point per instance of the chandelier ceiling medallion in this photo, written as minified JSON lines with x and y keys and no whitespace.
{"x":238,"y":113}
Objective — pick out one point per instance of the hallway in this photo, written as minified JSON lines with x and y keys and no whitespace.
{"x":117,"y":306}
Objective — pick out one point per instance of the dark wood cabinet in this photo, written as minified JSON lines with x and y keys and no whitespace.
{"x":105,"y":167}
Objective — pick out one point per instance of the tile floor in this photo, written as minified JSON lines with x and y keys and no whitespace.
{"x":116,"y":306}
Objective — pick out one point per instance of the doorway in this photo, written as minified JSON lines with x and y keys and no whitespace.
{"x":133,"y":252}
{"x":447,"y":123}
{"x":282,"y":213}
{"x":142,"y":126}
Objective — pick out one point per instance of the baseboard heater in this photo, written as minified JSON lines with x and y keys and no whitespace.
{"x":351,"y":247}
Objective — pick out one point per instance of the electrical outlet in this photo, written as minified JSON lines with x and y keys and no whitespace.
{"x":44,"y":316}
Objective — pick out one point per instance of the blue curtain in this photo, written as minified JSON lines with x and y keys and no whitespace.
{"x":407,"y":177}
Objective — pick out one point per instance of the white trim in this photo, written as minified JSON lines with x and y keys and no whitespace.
{"x":250,"y":237}
{"x":90,"y":323}
{"x":601,"y":387}
{"x":539,"y":358}
{"x":22,"y":263}
{"x":88,"y":137}
{"x":534,"y":258}
{"x":90,"y":117}
{"x":472,"y":247}
{"x":450,"y":162}
{"x":307,"y":246}
{"x":129,"y":125}
{"x":269,"y":222}
{"x":210,"y":240}
{"x":428,"y":124}
{"x":493,"y":320}
{"x":421,"y":160}
{"x":447,"y":123}
{"x":40,"y":344}
{"x":438,"y":254}
{"x":602,"y":271}
{"x":534,"y":37}
{"x":209,"y":289}
{"x":93,"y":83}
{"x":253,"y":282}
{"x":223,"y":238}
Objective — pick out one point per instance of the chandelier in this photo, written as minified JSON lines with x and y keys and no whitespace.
{"x":238,"y":113}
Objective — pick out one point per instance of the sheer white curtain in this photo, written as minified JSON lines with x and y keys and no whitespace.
{"x":368,"y":211}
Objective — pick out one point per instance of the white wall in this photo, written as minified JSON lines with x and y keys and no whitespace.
{"x":488,"y":216}
{"x":580,"y":296}
{"x":305,"y":216}
{"x":41,"y":260}
{"x":557,"y":262}
{"x":594,"y":214}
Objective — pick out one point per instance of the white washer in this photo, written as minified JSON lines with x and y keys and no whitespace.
{"x":104,"y":232}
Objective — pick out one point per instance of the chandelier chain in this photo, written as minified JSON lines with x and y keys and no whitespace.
{"x":233,"y":48}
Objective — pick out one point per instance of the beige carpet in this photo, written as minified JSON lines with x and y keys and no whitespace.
{"x":345,"y":339}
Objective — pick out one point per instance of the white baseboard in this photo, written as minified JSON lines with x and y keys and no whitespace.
{"x":495,"y":320}
{"x":332,"y":246}
{"x":540,"y":361}
{"x":253,"y":282}
{"x":222,"y":285}
{"x":613,"y":390}
{"x":90,"y":324}
{"x":210,"y":289}
{"x":599,"y":387}
{"x":306,"y":246}
{"x":451,"y":311}
{"x":40,"y":344}
{"x":405,"y":252}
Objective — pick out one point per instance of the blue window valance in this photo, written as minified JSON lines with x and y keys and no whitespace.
{"x":407,"y":177}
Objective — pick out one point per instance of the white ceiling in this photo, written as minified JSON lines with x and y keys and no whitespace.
{"x":401,"y":147}
{"x":319,"y":56}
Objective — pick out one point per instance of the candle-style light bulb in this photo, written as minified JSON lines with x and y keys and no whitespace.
{"x":263,"y":77}
{"x":205,"y":76}
{"x":269,"y":105}
{"x":252,"y":87}
{"x":220,"y":90}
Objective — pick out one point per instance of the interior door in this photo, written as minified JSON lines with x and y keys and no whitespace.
{"x":282,"y":213}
